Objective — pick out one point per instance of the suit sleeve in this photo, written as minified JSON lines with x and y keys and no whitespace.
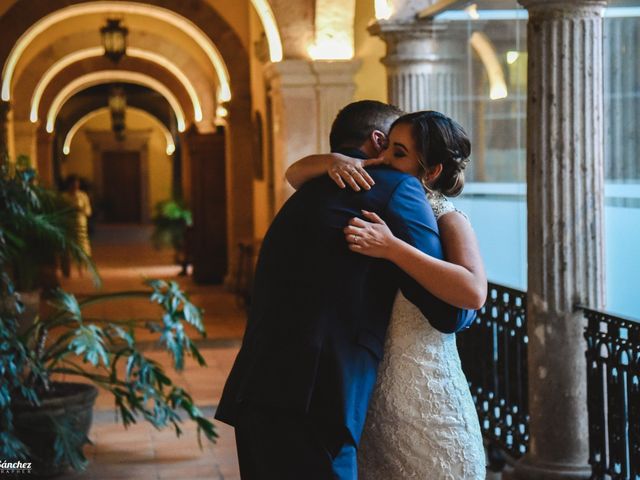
{"x":411,"y":219}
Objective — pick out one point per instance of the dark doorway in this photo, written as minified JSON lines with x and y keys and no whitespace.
{"x":121,"y":187}
{"x":209,"y":203}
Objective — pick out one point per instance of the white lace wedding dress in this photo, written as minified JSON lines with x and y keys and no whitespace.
{"x":421,"y":423}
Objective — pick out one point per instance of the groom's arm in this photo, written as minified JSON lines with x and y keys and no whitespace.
{"x":411,"y":219}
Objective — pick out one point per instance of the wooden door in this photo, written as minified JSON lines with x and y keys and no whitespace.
{"x":209,"y":205}
{"x":121,"y":187}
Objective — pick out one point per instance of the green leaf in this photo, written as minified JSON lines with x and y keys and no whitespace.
{"x":89,"y":343}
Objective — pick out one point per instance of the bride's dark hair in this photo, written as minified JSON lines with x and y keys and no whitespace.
{"x":439,"y":140}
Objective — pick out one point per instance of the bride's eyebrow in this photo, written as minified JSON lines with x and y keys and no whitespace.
{"x":398,"y":144}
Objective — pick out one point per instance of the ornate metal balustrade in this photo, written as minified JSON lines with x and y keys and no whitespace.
{"x":613,"y":395}
{"x":494,"y":359}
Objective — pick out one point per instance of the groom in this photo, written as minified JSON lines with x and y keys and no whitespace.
{"x":299,"y":389}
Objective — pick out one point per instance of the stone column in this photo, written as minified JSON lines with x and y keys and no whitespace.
{"x":291,"y":87}
{"x":425,"y":64}
{"x":565,"y":227}
{"x":305,"y":98}
{"x":335,"y":88}
{"x":4,"y":131}
{"x":45,"y":157}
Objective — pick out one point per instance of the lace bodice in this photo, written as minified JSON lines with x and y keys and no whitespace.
{"x":442,"y":205}
{"x":421,"y":423}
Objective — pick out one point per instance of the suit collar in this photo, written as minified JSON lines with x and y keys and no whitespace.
{"x":353,"y":152}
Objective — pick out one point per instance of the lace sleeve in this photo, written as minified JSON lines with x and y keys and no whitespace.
{"x":441,"y":205}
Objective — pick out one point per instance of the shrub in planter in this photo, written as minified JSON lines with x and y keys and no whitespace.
{"x":38,"y":418}
{"x":172,"y":221}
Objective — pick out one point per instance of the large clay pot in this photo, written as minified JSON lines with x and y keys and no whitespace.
{"x":65,"y":402}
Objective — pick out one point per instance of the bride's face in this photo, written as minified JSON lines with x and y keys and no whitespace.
{"x":401,"y":153}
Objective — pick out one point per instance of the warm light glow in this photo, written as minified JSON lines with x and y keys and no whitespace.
{"x":483,"y":47}
{"x":222,"y":112}
{"x":109,"y":8}
{"x":110,"y":76}
{"x":331,"y":50}
{"x":268,"y":19}
{"x":383,"y":9}
{"x":98,"y":52}
{"x":334,"y":30}
{"x":512,"y":57}
{"x":66,"y":148}
{"x":472,"y":11}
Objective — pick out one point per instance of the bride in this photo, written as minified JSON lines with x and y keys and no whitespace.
{"x":421,"y":422}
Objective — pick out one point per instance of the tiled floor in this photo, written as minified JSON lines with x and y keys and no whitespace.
{"x":141,"y":452}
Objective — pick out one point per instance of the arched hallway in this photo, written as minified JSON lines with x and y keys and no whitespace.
{"x":212,"y":100}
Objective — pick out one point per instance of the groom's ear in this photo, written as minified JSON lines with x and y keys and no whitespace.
{"x":379,"y":140}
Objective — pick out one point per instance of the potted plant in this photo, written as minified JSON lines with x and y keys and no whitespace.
{"x":45,"y":421}
{"x":39,"y":228}
{"x":172,"y":221}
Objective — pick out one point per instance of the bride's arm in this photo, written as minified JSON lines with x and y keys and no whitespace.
{"x":341,"y":168}
{"x":459,"y":281}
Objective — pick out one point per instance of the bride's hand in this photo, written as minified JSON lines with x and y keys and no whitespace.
{"x":372,"y":238}
{"x":347,"y":170}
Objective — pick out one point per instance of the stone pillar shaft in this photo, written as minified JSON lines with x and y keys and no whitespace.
{"x":305,"y":97}
{"x":291,"y":87}
{"x":565,"y":196}
{"x":425,"y":65}
{"x":334,"y":88}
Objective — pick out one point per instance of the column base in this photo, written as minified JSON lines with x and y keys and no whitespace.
{"x":547,"y":471}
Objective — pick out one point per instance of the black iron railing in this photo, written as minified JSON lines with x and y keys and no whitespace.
{"x":613,"y":396}
{"x":494,"y":358}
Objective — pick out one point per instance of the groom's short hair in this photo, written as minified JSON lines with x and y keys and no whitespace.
{"x":355,"y":122}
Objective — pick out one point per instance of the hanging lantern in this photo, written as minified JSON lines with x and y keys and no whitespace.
{"x":117,"y":100}
{"x":117,"y":107}
{"x":114,"y":39}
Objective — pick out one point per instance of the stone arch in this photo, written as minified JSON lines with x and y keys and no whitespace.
{"x":78,"y":124}
{"x":96,"y":64}
{"x":44,"y":65}
{"x":75,"y":10}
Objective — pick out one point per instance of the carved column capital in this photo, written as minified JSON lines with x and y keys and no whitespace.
{"x":559,"y":8}
{"x":410,"y":42}
{"x":425,"y":64}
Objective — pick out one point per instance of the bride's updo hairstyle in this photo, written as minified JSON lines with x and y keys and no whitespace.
{"x":439,"y":140}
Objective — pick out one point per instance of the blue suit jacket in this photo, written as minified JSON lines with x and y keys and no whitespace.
{"x":319,"y":314}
